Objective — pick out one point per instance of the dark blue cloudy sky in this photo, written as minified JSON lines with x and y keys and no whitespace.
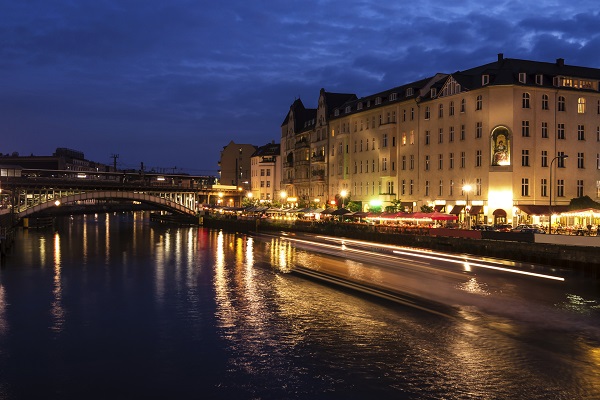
{"x":169,"y":83}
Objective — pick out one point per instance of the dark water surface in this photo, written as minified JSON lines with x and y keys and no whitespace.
{"x":116,"y":307}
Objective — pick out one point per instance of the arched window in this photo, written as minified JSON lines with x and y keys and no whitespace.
{"x":526,"y":100}
{"x":581,"y":105}
{"x":561,"y":103}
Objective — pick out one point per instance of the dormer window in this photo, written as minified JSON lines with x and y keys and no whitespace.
{"x":348,"y":109}
{"x":433,"y":92}
{"x":359,"y":106}
{"x":522,"y":77}
{"x":539,"y":79}
{"x":377,"y":100}
{"x":336,"y":112}
{"x":409,"y":92}
{"x":368,"y":103}
{"x":393,"y":96}
{"x":485,"y":79}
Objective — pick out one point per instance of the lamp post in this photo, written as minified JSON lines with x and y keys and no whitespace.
{"x":343,"y":193}
{"x":283,"y":196}
{"x":467,"y":188}
{"x":562,"y":156}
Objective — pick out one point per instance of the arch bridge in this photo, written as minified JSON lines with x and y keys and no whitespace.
{"x":36,"y":191}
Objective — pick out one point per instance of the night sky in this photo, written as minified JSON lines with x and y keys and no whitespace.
{"x":169,"y":83}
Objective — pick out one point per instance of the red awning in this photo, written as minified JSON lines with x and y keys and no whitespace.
{"x":542,"y":209}
{"x":439,"y":207}
{"x":457,"y":209}
{"x":476,"y":210}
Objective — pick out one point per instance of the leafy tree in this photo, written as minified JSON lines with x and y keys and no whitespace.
{"x":375,"y":209}
{"x":353,"y":206}
{"x":426,"y":209}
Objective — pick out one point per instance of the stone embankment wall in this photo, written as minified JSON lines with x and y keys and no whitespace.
{"x":582,"y":260}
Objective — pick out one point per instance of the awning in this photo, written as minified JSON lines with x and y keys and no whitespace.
{"x":340,"y":211}
{"x":439,"y":207}
{"x":541,"y":209}
{"x":499,"y":213}
{"x":476,"y":210}
{"x":457,"y":209}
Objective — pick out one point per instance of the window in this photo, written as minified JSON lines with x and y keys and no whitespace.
{"x":441,"y":111}
{"x":384,"y":140}
{"x":561,"y":159}
{"x":462,"y":159}
{"x":560,"y":132}
{"x":522,"y":77}
{"x":403,"y":115}
{"x":451,"y":160}
{"x":440,"y":161}
{"x":545,"y":102}
{"x":525,"y":128}
{"x":544,"y":187}
{"x":412,"y":137}
{"x":462,"y":132}
{"x":580,"y":161}
{"x":377,"y":101}
{"x":525,"y":158}
{"x":478,"y":186}
{"x":580,"y":132}
{"x":451,"y":109}
{"x":262,"y":172}
{"x":525,"y":187}
{"x":411,"y":187}
{"x":403,"y":187}
{"x":390,"y":187}
{"x":412,"y":114}
{"x":479,"y":105}
{"x":384,"y":164}
{"x":485,"y":79}
{"x":427,"y":137}
{"x":433,"y":92}
{"x":356,"y":167}
{"x":544,"y":158}
{"x":412,"y":162}
{"x":427,"y":112}
{"x":403,"y":163}
{"x":560,"y":188}
{"x":544,"y":130}
{"x":479,"y":130}
{"x":463,"y":105}
{"x":426,"y":188}
{"x":539,"y":79}
{"x":348,"y":109}
{"x":579,"y":187}
{"x":268,"y":183}
{"x":409,"y":92}
{"x":451,"y":188}
{"x":427,"y":163}
{"x":451,"y":134}
{"x":478,"y":158}
{"x":441,"y":136}
{"x":526,"y":100}
{"x":441,"y":188}
{"x":581,"y":105}
{"x":561,"y":103}
{"x":394,"y":141}
{"x":393,"y":96}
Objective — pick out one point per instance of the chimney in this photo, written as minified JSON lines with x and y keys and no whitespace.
{"x":500,"y":57}
{"x":560,"y":62}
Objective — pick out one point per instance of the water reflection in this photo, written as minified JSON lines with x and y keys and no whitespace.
{"x":57,"y":310}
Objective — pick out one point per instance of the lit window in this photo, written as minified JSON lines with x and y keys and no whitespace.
{"x":581,"y":105}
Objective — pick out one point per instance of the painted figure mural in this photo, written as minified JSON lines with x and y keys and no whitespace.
{"x":500,"y":146}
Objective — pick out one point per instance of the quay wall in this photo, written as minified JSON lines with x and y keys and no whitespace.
{"x":581,"y":255}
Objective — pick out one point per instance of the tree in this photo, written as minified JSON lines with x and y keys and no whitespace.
{"x":426,"y":209}
{"x":353,"y":206}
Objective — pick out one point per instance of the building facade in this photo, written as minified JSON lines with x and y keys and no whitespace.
{"x":234,"y":165}
{"x":487,"y":144}
{"x":266,"y":173}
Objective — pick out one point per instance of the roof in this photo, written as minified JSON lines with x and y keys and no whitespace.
{"x":271,"y":149}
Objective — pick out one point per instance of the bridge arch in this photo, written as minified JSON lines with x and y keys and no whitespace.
{"x":109,"y":194}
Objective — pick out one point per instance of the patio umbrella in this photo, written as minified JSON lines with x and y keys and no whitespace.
{"x":438,"y":216}
{"x":340,"y":211}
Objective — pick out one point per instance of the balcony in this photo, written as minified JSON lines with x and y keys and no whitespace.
{"x":289,"y":164}
{"x":302,"y":144}
{"x":318,"y":158}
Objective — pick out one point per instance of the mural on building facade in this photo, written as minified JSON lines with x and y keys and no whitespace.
{"x":500,"y":146}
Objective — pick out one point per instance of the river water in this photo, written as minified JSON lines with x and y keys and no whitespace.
{"x":116,"y":307}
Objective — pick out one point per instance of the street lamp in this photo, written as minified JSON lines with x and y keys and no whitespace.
{"x":562,"y":156}
{"x":343,"y":193}
{"x":283,"y":195}
{"x":467,"y":188}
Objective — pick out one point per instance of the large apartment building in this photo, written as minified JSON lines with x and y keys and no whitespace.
{"x":489,"y":143}
{"x":266,"y":173}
